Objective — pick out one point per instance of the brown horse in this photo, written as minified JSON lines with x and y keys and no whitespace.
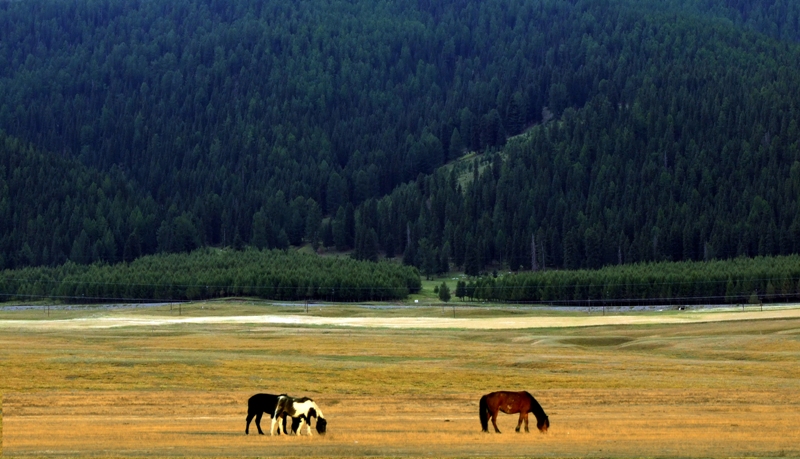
{"x":510,"y":403}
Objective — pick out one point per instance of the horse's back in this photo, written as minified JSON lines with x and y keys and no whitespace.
{"x":506,"y":395}
{"x":508,"y":401}
{"x":262,"y":403}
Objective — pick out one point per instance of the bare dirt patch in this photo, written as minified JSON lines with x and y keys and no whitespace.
{"x":426,"y":322}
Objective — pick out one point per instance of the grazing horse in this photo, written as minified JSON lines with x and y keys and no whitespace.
{"x":259,"y":404}
{"x":303,"y":408}
{"x":510,"y":403}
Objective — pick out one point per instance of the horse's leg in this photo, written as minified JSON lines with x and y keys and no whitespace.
{"x":258,"y":422}
{"x":494,"y":421}
{"x":526,"y":423}
{"x":247,"y":428}
{"x":272,"y":426}
{"x":302,"y":423}
{"x":308,"y":424}
{"x":282,"y":425}
{"x":519,"y":422}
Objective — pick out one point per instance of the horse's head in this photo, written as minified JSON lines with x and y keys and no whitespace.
{"x":322,"y":425}
{"x":543,"y":424}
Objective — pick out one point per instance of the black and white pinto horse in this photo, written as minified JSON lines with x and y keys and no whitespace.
{"x":303,"y":408}
{"x":259,"y":404}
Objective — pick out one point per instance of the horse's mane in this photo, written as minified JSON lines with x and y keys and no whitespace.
{"x":538,"y":411}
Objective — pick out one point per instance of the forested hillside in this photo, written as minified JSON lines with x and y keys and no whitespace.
{"x":776,"y":18}
{"x":54,"y":209}
{"x":653,"y":129}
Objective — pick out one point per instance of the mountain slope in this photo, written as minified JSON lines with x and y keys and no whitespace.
{"x":54,"y":209}
{"x":688,"y":151}
{"x":664,"y":129}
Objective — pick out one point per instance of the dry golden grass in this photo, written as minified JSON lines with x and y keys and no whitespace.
{"x":688,"y":390}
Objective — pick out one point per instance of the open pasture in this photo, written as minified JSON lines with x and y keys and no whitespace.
{"x":180,"y":389}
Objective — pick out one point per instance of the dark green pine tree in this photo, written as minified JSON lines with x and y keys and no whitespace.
{"x":366,"y":243}
{"x":410,"y":255}
{"x":327,"y":234}
{"x":260,"y":238}
{"x":456,"y":147}
{"x":349,"y":224}
{"x":461,"y":290}
{"x":339,"y":230}
{"x":428,"y":258}
{"x":313,"y":225}
{"x":472,"y":259}
{"x":444,"y":292}
{"x":133,"y":248}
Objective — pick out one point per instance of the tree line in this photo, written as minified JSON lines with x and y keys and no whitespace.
{"x":741,"y":280}
{"x":214,"y":273}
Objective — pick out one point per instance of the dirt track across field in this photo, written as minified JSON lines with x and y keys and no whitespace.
{"x":484,"y":323}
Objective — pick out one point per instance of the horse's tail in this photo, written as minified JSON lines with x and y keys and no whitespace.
{"x":252,"y":406}
{"x":483,"y":412}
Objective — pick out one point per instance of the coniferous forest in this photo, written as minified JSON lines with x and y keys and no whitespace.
{"x":213,"y":273}
{"x":737,"y":281}
{"x":457,"y":134}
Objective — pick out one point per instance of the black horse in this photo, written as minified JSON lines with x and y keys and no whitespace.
{"x":259,"y":404}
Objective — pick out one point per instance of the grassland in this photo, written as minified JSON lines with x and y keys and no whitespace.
{"x":712,"y":389}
